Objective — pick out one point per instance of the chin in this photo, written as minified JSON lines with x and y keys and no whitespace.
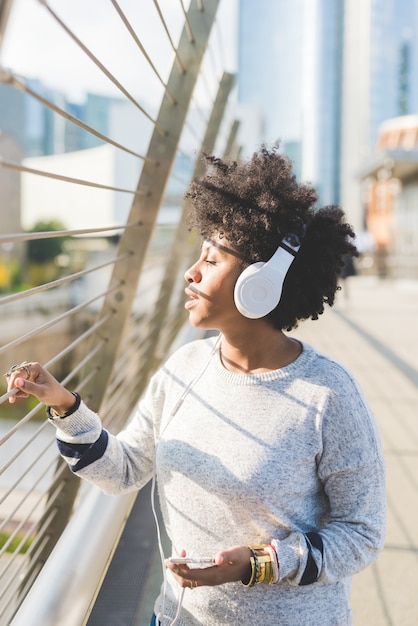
{"x":196,"y":323}
{"x":202,"y":324}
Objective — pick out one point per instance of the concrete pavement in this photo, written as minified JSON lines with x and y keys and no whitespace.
{"x":374,"y":332}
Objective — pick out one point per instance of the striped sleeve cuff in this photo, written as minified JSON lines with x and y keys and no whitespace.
{"x":300,"y":557}
{"x":312,"y":569}
{"x":80,"y":455}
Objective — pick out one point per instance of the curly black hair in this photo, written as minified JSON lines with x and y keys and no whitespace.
{"x":253,"y":205}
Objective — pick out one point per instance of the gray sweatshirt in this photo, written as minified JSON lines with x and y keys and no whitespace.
{"x":290,"y":457}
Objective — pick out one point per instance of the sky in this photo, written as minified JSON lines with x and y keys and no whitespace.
{"x":35,"y":45}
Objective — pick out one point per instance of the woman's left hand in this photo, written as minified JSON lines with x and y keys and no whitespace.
{"x":33,"y":379}
{"x":230,"y":565}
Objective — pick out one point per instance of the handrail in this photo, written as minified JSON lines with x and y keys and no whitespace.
{"x":76,"y":552}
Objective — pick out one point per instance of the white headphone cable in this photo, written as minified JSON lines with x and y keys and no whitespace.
{"x":161,"y":616}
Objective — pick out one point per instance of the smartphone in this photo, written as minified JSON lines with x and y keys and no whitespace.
{"x":196,"y":560}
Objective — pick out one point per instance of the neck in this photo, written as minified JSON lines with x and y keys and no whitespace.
{"x":258,"y":352}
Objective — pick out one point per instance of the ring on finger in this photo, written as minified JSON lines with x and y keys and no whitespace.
{"x":193,"y":584}
{"x":14,"y":368}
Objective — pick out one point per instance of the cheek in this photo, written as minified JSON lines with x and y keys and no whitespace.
{"x":227,"y":289}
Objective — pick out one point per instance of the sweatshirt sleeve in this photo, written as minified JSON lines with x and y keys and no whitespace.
{"x":352,"y":476}
{"x":123,"y":462}
{"x":116,"y":464}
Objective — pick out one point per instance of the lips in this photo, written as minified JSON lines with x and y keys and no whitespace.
{"x":190,"y":293}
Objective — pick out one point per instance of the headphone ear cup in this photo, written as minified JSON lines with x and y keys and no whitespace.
{"x":256,"y":293}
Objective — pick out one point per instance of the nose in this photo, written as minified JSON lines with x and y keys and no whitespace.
{"x":192,"y":275}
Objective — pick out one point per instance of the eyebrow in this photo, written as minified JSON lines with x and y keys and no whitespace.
{"x":225,"y":249}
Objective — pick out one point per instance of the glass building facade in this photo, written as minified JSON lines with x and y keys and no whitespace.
{"x":393,"y":61}
{"x":293,"y":58}
{"x":290,"y":66}
{"x":269,"y":69}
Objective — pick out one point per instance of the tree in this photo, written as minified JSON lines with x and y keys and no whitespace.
{"x":45,"y":250}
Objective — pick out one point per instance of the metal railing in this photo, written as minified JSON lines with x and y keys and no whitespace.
{"x":102,"y":325}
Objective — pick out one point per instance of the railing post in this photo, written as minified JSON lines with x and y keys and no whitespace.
{"x":152,"y":181}
{"x":181,"y":235}
{"x":232,"y":148}
{"x":5,"y":6}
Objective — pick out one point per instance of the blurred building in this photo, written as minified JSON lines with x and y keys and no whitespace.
{"x":290,"y":67}
{"x":380,"y":82}
{"x":325,"y":74}
{"x":78,"y":206}
{"x":390,"y":186}
{"x":47,"y":142}
{"x":35,"y":128}
{"x":40,"y":131}
{"x":9,"y":210}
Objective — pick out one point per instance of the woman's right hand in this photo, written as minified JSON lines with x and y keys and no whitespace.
{"x":33,"y":379}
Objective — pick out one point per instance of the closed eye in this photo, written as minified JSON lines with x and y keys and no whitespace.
{"x":210,"y":262}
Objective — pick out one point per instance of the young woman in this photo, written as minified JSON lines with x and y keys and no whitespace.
{"x":266,"y":456}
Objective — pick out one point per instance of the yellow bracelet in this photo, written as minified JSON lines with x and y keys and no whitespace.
{"x":262,"y":572}
{"x":265,"y":570}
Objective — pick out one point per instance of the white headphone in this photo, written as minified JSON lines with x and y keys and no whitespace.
{"x":259,"y":288}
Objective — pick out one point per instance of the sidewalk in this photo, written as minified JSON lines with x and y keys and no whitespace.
{"x":374,"y":332}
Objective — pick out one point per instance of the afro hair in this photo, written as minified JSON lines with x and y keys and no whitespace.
{"x":253,"y":205}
